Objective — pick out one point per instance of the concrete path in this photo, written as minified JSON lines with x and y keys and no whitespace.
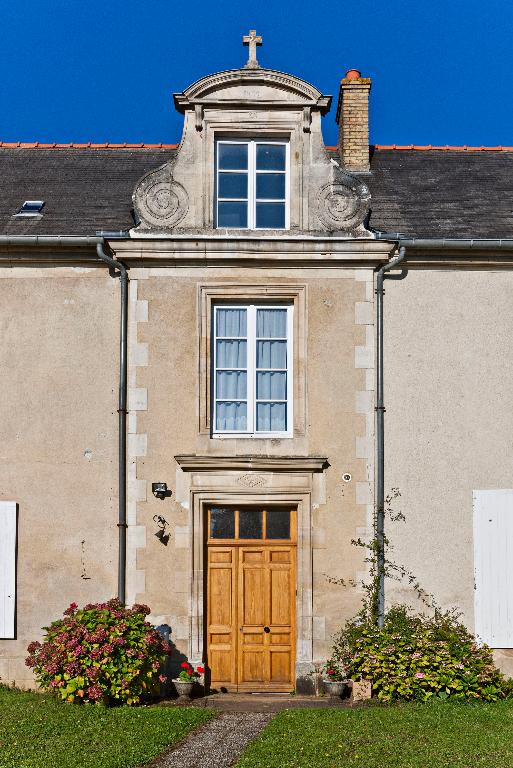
{"x":218,"y":744}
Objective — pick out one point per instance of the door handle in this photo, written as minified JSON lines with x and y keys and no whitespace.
{"x":267,"y":630}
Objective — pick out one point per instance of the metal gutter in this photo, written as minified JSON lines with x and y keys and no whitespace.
{"x":114,"y":265}
{"x":382,"y":275}
{"x":447,"y":243}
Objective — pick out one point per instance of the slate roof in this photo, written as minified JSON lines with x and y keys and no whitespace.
{"x":442,"y":193}
{"x":84,"y":189}
{"x":420,"y":192}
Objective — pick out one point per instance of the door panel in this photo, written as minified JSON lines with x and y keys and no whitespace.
{"x":266,"y":597}
{"x":222,"y":615}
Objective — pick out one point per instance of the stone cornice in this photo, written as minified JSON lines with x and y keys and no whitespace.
{"x":212,"y":463}
{"x":253,"y":251}
{"x":205,"y":91}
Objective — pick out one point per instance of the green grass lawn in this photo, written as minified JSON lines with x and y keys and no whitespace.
{"x":37,"y":731}
{"x":405,"y":736}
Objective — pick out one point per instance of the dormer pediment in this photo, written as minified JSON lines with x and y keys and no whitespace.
{"x":247,"y":88}
{"x":252,"y":160}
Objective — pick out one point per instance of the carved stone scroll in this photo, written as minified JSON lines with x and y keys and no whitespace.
{"x":343,"y":204}
{"x":160,"y":202}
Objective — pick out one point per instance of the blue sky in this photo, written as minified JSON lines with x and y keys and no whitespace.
{"x":104,"y":70}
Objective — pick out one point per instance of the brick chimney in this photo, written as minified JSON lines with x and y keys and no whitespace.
{"x":353,"y":121}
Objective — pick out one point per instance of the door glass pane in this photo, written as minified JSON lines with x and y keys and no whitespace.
{"x":271,"y":385}
{"x":232,"y":157}
{"x":270,"y":215}
{"x":231,"y":322}
{"x":234,"y":215}
{"x":271,"y":354}
{"x":231,"y":385}
{"x":250,"y":524}
{"x":269,"y":186}
{"x":234,"y":185}
{"x":270,"y":157}
{"x":231,"y":353}
{"x":222,"y":523}
{"x":271,"y":417}
{"x":277,"y":524}
{"x":231,"y":417}
{"x":272,"y":323}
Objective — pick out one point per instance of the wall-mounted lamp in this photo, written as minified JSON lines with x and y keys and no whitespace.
{"x":161,"y":534}
{"x":160,"y":490}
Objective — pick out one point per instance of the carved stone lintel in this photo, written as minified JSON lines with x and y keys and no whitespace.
{"x":251,"y":480}
{"x":307,"y":119}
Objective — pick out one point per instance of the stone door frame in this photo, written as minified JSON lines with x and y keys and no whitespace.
{"x":273,"y":481}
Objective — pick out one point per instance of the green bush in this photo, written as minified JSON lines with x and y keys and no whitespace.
{"x":102,"y":653}
{"x":415,"y":657}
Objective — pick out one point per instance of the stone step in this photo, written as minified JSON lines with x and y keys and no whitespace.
{"x":239,"y":702}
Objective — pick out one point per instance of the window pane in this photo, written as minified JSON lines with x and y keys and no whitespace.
{"x":271,"y":386}
{"x":250,"y":524}
{"x":222,"y":523}
{"x":232,"y":157}
{"x":231,"y":385}
{"x":269,"y":186}
{"x":271,"y":354}
{"x":234,"y":215}
{"x":270,"y":215}
{"x":271,"y":417}
{"x":272,"y":323}
{"x":231,"y":322}
{"x":234,"y":185}
{"x":231,"y":417}
{"x":270,"y":157}
{"x":277,"y":524}
{"x":231,"y":354}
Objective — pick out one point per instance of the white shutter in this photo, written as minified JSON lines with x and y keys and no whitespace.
{"x":493,"y":567}
{"x":7,"y":568}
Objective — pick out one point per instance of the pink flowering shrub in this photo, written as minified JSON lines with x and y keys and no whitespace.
{"x":101,"y":653}
{"x":415,"y":657}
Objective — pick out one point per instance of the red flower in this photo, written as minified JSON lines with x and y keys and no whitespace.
{"x":200,"y":670}
{"x":185,"y":665}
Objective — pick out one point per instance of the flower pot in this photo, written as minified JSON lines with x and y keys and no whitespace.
{"x":334,"y":688}
{"x":184,"y":688}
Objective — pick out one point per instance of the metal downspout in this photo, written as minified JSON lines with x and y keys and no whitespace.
{"x":380,"y":427}
{"x":122,"y":413}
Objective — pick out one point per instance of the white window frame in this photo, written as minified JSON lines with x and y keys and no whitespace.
{"x":251,"y":171}
{"x":251,"y":370}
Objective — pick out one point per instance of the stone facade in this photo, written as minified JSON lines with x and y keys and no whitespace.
{"x":448,"y":418}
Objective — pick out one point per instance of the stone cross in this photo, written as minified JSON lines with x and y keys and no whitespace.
{"x":252,"y":40}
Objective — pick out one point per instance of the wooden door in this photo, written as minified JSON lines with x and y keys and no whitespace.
{"x":266,"y":603}
{"x":251,"y":596}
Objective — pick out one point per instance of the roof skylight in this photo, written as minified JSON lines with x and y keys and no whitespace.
{"x":31,"y":208}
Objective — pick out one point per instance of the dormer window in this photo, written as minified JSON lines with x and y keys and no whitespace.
{"x":252,"y":184}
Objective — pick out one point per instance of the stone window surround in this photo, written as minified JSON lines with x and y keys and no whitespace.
{"x":247,"y":293}
{"x":250,"y":480}
{"x":255,"y":124}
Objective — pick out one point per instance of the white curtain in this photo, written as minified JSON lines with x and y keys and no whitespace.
{"x":271,"y":417}
{"x":231,"y":322}
{"x":231,"y":417}
{"x":271,"y":324}
{"x":232,"y":385}
{"x":271,"y":385}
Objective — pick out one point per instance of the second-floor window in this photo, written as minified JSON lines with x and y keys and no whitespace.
{"x":252,"y":370}
{"x":252,"y":183}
